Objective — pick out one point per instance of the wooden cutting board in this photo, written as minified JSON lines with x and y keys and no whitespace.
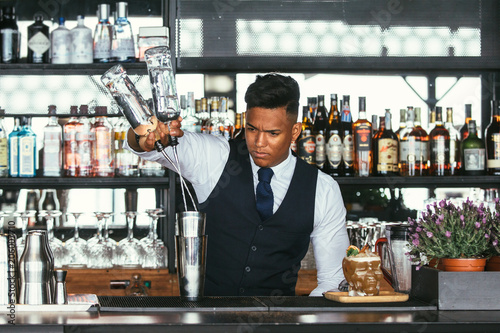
{"x":383,"y":296}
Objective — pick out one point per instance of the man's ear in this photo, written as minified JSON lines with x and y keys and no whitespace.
{"x":296,"y":129}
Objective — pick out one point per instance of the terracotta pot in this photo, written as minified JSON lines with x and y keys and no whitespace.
{"x":493,"y":264}
{"x":462,"y":264}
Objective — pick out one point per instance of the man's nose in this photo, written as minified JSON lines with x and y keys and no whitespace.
{"x":260,"y":139}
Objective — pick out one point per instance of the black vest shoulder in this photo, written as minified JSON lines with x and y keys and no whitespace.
{"x":247,"y":256}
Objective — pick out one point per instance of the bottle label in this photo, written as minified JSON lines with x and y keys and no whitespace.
{"x":494,"y":148}
{"x":61,"y":43}
{"x":39,"y":43}
{"x":123,"y":49}
{"x":348,"y":150}
{"x":102,"y":46}
{"x":51,"y":153}
{"x":474,"y":159}
{"x":441,"y":151}
{"x":10,"y":44}
{"x":320,"y":150}
{"x":387,"y":155}
{"x":104,"y":155}
{"x":346,"y":114}
{"x":306,"y":147}
{"x":4,"y":154}
{"x":453,"y":149}
{"x":81,"y":49}
{"x":27,"y":156}
{"x":363,"y":135}
{"x":13,"y":156}
{"x":334,"y":150}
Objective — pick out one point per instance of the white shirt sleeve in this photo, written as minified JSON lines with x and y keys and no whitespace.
{"x":202,"y":158}
{"x":329,"y":237}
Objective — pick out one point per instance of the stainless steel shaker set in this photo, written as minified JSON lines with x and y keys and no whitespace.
{"x":31,"y":280}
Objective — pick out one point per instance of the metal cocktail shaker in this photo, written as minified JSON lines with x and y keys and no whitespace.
{"x":9,"y":279}
{"x":35,"y":271}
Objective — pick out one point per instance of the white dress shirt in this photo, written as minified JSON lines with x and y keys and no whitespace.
{"x":202,"y":158}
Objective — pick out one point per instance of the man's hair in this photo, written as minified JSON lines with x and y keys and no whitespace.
{"x":273,"y":91}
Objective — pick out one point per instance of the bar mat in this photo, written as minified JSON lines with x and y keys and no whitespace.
{"x":174,"y":303}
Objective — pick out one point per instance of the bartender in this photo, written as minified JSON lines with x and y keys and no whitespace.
{"x":263,"y":204}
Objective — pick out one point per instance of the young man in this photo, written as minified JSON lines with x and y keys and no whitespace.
{"x":259,"y":229}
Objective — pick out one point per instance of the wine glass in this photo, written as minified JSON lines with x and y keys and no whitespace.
{"x":76,"y":247}
{"x":24,"y":216}
{"x":129,"y":251}
{"x":100,"y":252}
{"x":153,"y":246}
{"x":56,"y":245}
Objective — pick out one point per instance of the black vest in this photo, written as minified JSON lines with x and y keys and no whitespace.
{"x":247,"y":256}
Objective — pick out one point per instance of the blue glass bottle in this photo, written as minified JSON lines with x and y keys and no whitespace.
{"x":13,"y":148}
{"x":27,"y":150}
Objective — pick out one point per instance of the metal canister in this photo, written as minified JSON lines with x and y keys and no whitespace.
{"x":9,"y":279}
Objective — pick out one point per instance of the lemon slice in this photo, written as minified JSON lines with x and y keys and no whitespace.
{"x":352,"y":251}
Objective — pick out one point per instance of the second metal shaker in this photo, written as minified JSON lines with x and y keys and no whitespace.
{"x":60,"y":292}
{"x":34,"y":270}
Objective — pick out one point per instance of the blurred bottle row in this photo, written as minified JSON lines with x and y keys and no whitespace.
{"x":80,"y":147}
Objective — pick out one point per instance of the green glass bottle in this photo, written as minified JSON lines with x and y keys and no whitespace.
{"x":473,"y":153}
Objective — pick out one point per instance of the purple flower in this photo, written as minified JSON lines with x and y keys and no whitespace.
{"x":441,"y":217}
{"x":477,"y":225}
{"x":429,"y":234}
{"x":416,"y":242}
{"x":484,"y":220}
{"x":495,"y":242}
{"x":442,"y":203}
{"x":486,"y":236}
{"x":418,"y":229}
{"x":448,"y":234}
{"x":462,"y":218}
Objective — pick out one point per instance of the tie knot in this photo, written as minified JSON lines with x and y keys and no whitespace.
{"x":265,"y":174}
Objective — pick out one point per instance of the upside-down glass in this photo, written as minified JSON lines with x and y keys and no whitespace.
{"x":153,"y":246}
{"x":76,"y":247}
{"x":129,"y":251}
{"x":100,"y":252}
{"x":56,"y":245}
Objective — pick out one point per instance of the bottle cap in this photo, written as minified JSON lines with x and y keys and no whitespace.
{"x":2,"y":112}
{"x":84,"y":109}
{"x":121,"y":9}
{"x":73,"y":109}
{"x":52,"y":109}
{"x":103,"y":11}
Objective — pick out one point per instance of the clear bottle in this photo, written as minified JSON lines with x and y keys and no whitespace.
{"x":464,"y":130}
{"x":362,"y":133}
{"x":473,"y":152}
{"x":214,"y":123}
{"x":205,"y":116}
{"x":14,"y":148}
{"x":347,"y":138}
{"x":439,"y":139}
{"x":126,"y":162}
{"x":408,"y":149}
{"x":334,"y":139}
{"x":52,"y":145}
{"x":27,"y":150}
{"x":60,"y":40}
{"x":190,"y":122}
{"x":81,"y":43}
{"x":492,"y":138}
{"x":10,"y":36}
{"x":306,"y":143}
{"x":319,"y":130}
{"x":386,"y":148}
{"x":103,"y":148}
{"x":71,"y":156}
{"x":122,"y":49}
{"x":85,"y":141}
{"x":4,"y":148}
{"x":38,"y":41}
{"x":102,"y":35}
{"x":150,"y":169}
{"x":455,"y":160}
{"x":227,"y":126}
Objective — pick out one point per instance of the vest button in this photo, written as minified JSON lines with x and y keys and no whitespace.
{"x":242,"y":290}
{"x":247,"y":269}
{"x":254,"y":248}
{"x":261,"y":227}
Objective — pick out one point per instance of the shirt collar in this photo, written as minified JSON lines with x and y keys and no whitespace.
{"x":277,"y":169}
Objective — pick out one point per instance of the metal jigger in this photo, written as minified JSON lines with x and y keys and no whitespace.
{"x":163,"y":86}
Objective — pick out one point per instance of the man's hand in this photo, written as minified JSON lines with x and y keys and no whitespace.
{"x":162,"y":132}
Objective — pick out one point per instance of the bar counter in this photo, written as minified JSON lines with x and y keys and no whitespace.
{"x":254,"y":314}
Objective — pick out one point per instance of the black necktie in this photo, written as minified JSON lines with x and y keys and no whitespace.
{"x":264,"y":193}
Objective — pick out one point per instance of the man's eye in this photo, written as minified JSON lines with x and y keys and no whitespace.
{"x":274,"y":134}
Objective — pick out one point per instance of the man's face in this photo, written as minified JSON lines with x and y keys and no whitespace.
{"x":268,"y":134}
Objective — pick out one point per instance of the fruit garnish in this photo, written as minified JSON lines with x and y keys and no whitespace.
{"x":352,"y":251}
{"x":364,"y":249}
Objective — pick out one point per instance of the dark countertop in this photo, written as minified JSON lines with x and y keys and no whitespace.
{"x":254,"y":314}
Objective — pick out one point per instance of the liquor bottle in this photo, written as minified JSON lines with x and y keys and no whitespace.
{"x":4,"y":148}
{"x":464,"y":130}
{"x":27,"y":150}
{"x":319,"y":130}
{"x":347,"y":138}
{"x":190,"y":122}
{"x":306,"y":143}
{"x":126,"y":162}
{"x":334,"y":138}
{"x":60,"y":40}
{"x":492,"y":138}
{"x":374,"y":124}
{"x":102,"y":35}
{"x":362,"y":133}
{"x":204,"y":116}
{"x":408,"y":149}
{"x":122,"y":45}
{"x":71,"y":157}
{"x":238,"y":126}
{"x":82,"y":43}
{"x":38,"y":42}
{"x":421,"y":139}
{"x":214,"y":123}
{"x":312,"y":102}
{"x":227,"y":126}
{"x":14,"y":148}
{"x":52,"y":145}
{"x":386,"y":149}
{"x":150,"y":169}
{"x":85,"y":141}
{"x":432,"y":120}
{"x":439,"y":139}
{"x":103,"y":148}
{"x":455,"y":160}
{"x":10,"y":37}
{"x":402,"y":121}
{"x":473,"y":152}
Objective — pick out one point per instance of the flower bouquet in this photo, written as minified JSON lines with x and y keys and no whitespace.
{"x":446,"y":230}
